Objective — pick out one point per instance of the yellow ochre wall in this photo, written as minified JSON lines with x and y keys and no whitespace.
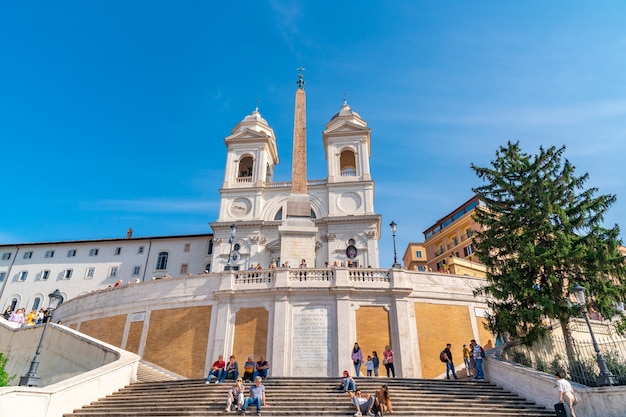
{"x":438,"y":324}
{"x":372,"y":333}
{"x":177,"y":340}
{"x":251,"y":328}
{"x":107,"y":329}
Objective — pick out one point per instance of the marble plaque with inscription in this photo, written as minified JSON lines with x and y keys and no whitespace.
{"x":311,"y":341}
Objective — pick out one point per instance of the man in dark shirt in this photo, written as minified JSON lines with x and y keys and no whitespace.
{"x":449,"y":363}
{"x":262,"y":367}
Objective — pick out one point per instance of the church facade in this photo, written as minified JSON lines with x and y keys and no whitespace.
{"x":347,"y":229}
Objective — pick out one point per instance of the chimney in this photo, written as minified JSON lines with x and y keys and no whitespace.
{"x":129,"y":233}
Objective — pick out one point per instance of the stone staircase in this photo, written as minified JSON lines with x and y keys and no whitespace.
{"x":315,"y":397}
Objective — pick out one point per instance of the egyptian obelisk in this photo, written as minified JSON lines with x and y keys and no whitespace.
{"x":298,"y":233}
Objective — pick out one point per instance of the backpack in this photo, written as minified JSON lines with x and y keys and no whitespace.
{"x":482,"y":352}
{"x":443,"y":357}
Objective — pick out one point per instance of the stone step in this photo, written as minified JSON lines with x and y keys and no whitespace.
{"x":148,"y":372}
{"x":315,"y":396}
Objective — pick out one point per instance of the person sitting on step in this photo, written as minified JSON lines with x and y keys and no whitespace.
{"x":231,"y":370}
{"x":382,"y":401}
{"x":249,"y":367}
{"x":235,"y":396}
{"x":363,"y":403}
{"x":262,"y":367}
{"x":216,"y":369}
{"x":347,"y":382}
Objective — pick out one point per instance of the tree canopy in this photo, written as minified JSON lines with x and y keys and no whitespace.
{"x":542,"y":231}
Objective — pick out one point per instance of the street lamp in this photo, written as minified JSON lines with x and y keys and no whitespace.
{"x":394,"y":226}
{"x":606,"y":377}
{"x":233,"y":234}
{"x":31,"y":379}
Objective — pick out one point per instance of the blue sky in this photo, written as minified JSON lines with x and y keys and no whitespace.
{"x":113,"y":113}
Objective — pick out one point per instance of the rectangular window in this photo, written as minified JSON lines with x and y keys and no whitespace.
{"x":210,"y":250}
{"x":6,"y":256}
{"x":68,"y":274}
{"x":136,"y":271}
{"x":187,"y":246}
{"x":28,"y":255}
{"x":140,"y":250}
{"x":45,"y":274}
{"x":3,"y":275}
{"x":71,"y":252}
{"x":90,"y":272}
{"x":468,"y":250}
{"x":113,"y":271}
{"x":23,"y":275}
{"x":118,"y":251}
{"x":93,"y":252}
{"x":49,"y":254}
{"x":418,"y":254}
{"x":421,"y":268}
{"x":183,"y":268}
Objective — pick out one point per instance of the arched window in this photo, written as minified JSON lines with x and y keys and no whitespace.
{"x":14,"y":304}
{"x":162,"y":261}
{"x":36,"y":303}
{"x":246,"y":164}
{"x":279,"y":215}
{"x":347,"y":162}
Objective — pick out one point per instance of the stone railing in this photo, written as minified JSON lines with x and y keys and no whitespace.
{"x":255,"y":277}
{"x":369,"y":275}
{"x":327,"y":275}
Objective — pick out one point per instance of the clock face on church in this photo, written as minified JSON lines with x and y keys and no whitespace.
{"x":240,"y":207}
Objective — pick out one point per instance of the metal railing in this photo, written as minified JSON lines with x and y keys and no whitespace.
{"x":551,"y":355}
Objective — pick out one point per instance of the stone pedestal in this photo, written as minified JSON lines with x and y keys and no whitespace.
{"x":298,"y":236}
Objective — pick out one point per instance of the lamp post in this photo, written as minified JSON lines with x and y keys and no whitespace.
{"x":394,"y":227}
{"x":31,"y":379}
{"x":605,"y":377}
{"x":233,"y":234}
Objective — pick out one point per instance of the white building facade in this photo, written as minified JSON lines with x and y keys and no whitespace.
{"x":29,"y":272}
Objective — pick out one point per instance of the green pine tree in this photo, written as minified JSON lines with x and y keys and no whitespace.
{"x":542,"y":232}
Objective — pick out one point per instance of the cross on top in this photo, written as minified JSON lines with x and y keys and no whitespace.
{"x":300,"y":81}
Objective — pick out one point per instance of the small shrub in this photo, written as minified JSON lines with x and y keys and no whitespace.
{"x":556,"y":365}
{"x":5,"y":378}
{"x":616,"y":365}
{"x":522,"y":359}
{"x":541,"y":365}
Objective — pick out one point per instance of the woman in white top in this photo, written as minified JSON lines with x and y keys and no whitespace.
{"x":566,"y":392}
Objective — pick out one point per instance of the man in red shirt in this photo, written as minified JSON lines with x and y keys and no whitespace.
{"x":217,"y":369}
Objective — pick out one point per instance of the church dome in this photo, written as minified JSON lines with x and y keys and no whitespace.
{"x":347,"y":113}
{"x":255,"y":116}
{"x":253,"y":121}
